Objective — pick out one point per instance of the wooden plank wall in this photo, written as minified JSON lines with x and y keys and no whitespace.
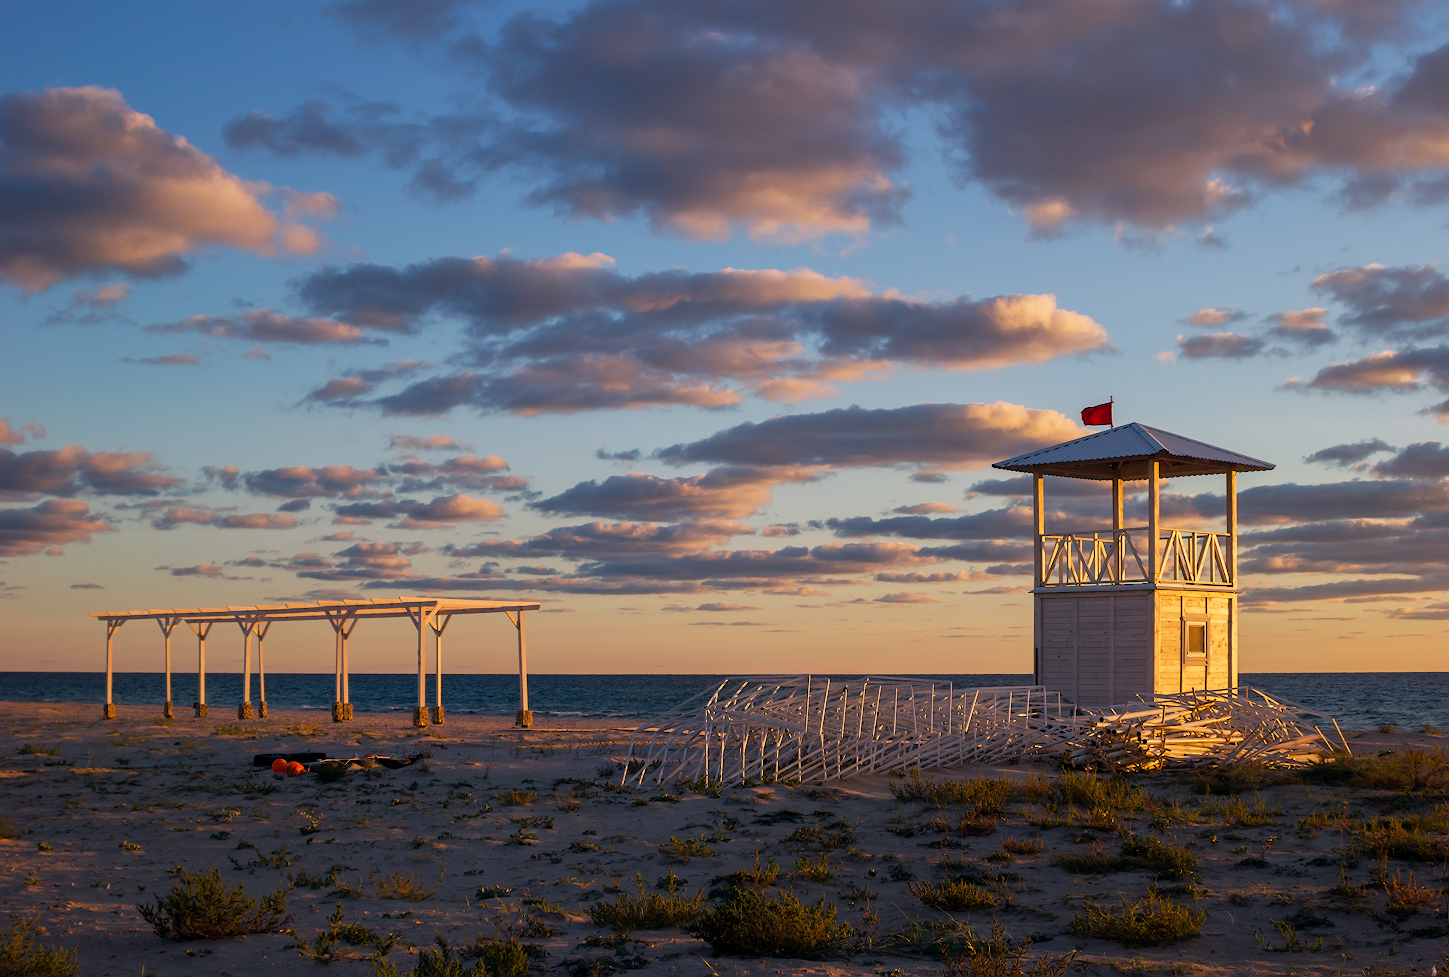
{"x":1097,"y":649}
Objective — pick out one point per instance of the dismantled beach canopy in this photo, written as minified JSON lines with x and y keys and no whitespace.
{"x":1126,"y":452}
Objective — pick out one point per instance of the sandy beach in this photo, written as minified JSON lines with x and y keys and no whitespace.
{"x":517,"y":829}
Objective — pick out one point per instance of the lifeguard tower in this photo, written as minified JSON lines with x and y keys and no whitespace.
{"x":1139,"y":610}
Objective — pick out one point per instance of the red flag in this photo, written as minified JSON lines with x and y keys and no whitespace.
{"x":1097,"y":416}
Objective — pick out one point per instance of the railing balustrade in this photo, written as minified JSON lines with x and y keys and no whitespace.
{"x":1120,"y":557}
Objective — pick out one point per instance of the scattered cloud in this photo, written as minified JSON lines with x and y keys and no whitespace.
{"x":953,"y":436}
{"x":569,"y":333}
{"x":89,"y":185}
{"x":1345,"y":455}
{"x":25,"y":532}
{"x":72,"y":470}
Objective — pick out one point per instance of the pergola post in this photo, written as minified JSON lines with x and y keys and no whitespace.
{"x":422,"y":619}
{"x":342,"y":624}
{"x":262,"y":671}
{"x":244,"y":708}
{"x":524,"y":717}
{"x":201,"y":628}
{"x":440,"y":624}
{"x":112,"y":626}
{"x":167,"y":625}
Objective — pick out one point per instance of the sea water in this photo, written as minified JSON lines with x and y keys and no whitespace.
{"x":1359,"y":700}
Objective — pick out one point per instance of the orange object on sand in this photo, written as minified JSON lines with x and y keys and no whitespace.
{"x":295,"y":769}
{"x":279,"y":765}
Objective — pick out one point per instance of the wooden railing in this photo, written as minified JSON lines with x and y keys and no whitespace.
{"x":1190,"y":556}
{"x":1120,"y":557}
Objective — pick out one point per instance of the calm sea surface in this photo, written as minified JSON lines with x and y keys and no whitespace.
{"x":1359,"y":700}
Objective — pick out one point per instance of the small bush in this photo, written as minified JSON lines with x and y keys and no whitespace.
{"x":1024,"y":846}
{"x":987,"y":796}
{"x":646,"y":911}
{"x":956,"y":895}
{"x":8,"y":830}
{"x":438,"y":962}
{"x":201,"y":907}
{"x":22,"y":954}
{"x":326,"y":947}
{"x":1094,"y":793}
{"x":1000,"y":957}
{"x":817,"y":869}
{"x":683,"y":849}
{"x":399,"y":886}
{"x":1168,"y":861}
{"x":839,"y":835}
{"x":518,"y":797}
{"x":1392,"y":838}
{"x":1150,"y":921}
{"x":1406,"y":897}
{"x":501,"y":956}
{"x":1237,"y":813}
{"x":751,"y":925}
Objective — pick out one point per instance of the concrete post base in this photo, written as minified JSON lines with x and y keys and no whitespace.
{"x":341,"y":711}
{"x":437,"y":715}
{"x":170,"y":711}
{"x":108,"y":711}
{"x":200,"y":708}
{"x":420,"y":717}
{"x":523,"y":718}
{"x":263,"y":711}
{"x":244,"y":711}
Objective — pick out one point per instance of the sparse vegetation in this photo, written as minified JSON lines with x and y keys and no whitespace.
{"x":683,"y":849}
{"x":23,"y":955}
{"x":399,"y":886}
{"x":751,"y":925}
{"x":1001,"y":957}
{"x":817,"y":869}
{"x":646,"y":911}
{"x":1150,"y":921}
{"x":955,"y":895}
{"x":201,"y":907}
{"x":1022,"y":846}
{"x":518,"y":797}
{"x":1168,"y":861}
{"x":328,"y":945}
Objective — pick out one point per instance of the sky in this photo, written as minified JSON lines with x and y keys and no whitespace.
{"x":701,"y":322}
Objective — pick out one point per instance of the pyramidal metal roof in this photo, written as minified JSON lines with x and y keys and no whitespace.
{"x":1125,"y":452}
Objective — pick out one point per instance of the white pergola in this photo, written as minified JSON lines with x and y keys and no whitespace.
{"x":426,"y":613}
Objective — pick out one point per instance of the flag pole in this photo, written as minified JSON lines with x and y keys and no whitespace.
{"x":1113,"y":422}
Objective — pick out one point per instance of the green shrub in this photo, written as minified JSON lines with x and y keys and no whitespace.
{"x":1000,"y":957}
{"x":751,"y":925}
{"x":22,"y":955}
{"x":325,"y":947}
{"x":518,"y":797}
{"x":956,"y":895}
{"x":646,"y":911}
{"x":201,"y":907}
{"x":1150,"y":921}
{"x":501,"y":956}
{"x":1087,"y":790}
{"x":399,"y":886}
{"x":817,"y":869}
{"x":682,"y":850}
{"x":1392,"y":838}
{"x":1169,"y":861}
{"x":439,"y":962}
{"x":988,"y":796}
{"x":838,"y":835}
